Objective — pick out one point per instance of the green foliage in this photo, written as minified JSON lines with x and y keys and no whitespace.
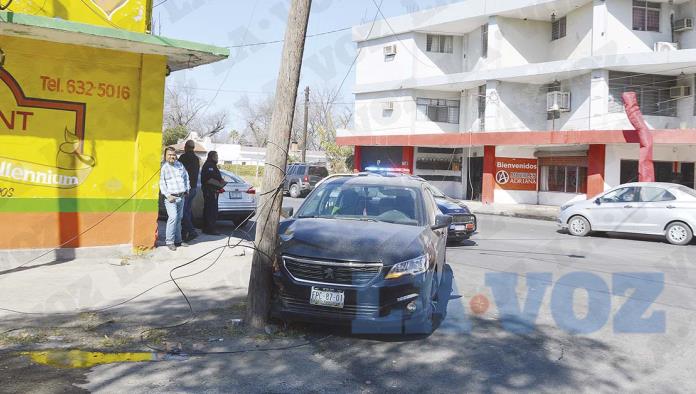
{"x":170,"y":136}
{"x":336,"y":155}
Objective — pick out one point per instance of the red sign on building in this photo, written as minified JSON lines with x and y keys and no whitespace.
{"x":516,"y":174}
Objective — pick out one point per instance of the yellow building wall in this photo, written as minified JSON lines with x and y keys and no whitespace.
{"x":80,"y":131}
{"x":133,"y":15}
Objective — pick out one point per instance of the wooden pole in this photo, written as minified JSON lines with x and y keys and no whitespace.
{"x":268,"y":217}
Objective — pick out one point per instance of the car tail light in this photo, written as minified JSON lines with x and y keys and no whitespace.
{"x":251,"y":190}
{"x":221,"y":190}
{"x":306,"y":178}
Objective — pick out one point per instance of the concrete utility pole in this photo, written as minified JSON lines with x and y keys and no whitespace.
{"x":260,"y":282}
{"x":306,"y":119}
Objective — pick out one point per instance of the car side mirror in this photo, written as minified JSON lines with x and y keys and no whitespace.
{"x":286,"y":212}
{"x":598,"y":201}
{"x":442,"y":221}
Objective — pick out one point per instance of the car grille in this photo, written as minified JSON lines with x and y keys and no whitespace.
{"x":463,"y":219}
{"x":331,"y":272}
{"x":292,"y":304}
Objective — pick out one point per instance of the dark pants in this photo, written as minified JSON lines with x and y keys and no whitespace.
{"x":187,"y":220}
{"x":210,"y":210}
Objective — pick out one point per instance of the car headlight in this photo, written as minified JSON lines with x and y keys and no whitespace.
{"x":564,"y":207}
{"x":409,"y":267}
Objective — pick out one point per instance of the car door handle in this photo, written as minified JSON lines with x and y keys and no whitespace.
{"x":670,"y":207}
{"x":628,"y":206}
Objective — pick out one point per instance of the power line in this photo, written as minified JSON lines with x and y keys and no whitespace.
{"x":280,"y":41}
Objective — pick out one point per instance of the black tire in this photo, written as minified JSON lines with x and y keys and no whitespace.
{"x":295,"y":191}
{"x":579,"y":226}
{"x":679,"y":233}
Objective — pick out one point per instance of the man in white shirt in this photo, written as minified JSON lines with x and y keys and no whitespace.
{"x":174,"y":186}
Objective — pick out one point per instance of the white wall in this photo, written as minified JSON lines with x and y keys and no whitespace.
{"x":515,"y":107}
{"x":427,"y":64}
{"x":579,"y":116}
{"x":371,"y":118}
{"x":686,"y":39}
{"x":371,"y":66}
{"x":515,"y":42}
{"x":578,"y":40}
{"x":620,"y":36}
{"x":472,"y":51}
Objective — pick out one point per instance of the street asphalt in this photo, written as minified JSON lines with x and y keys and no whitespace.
{"x":628,"y":326}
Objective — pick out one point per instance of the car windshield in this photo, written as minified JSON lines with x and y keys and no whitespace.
{"x":338,"y":200}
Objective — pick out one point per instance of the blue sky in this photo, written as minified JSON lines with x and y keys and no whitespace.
{"x":253,"y":70}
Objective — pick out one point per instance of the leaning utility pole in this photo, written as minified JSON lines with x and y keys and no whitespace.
{"x":306,"y":119}
{"x":260,"y":282}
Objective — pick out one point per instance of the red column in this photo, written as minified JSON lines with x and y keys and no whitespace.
{"x":357,"y":158}
{"x":488,"y":186}
{"x":596,"y":159}
{"x":407,"y":155}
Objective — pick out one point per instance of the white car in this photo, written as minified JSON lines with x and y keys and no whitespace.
{"x":653,"y":208}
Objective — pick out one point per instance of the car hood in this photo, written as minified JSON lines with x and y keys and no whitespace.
{"x":338,"y":239}
{"x":451,"y":206}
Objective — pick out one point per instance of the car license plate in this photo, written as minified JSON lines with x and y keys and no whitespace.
{"x":235,"y":195}
{"x":460,"y":227}
{"x":326,"y":297}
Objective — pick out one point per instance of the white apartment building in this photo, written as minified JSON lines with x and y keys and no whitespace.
{"x":519,"y":101}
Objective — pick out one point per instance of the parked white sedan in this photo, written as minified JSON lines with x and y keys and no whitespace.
{"x":665,"y":209}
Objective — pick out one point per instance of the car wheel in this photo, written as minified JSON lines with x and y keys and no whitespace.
{"x":678,"y":233}
{"x":579,"y":226}
{"x":294,"y":190}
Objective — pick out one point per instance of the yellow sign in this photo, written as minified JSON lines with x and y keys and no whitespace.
{"x":133,"y":15}
{"x":67,"y":125}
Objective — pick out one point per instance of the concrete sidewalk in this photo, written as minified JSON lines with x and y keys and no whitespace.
{"x":72,"y":286}
{"x":540,"y":212}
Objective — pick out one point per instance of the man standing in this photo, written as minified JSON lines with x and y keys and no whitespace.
{"x":174,"y":185}
{"x":211,"y":182}
{"x":192,"y":165}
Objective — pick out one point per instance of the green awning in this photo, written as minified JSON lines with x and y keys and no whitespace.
{"x":180,"y":54}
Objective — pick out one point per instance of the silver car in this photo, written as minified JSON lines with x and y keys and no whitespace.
{"x":236,"y":202}
{"x":653,"y":208}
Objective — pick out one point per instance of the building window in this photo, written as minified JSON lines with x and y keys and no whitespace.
{"x":646,"y":16}
{"x":482,"y":107}
{"x":438,"y":110}
{"x":652,"y":92}
{"x":439,"y":44}
{"x":558,"y":28}
{"x":563,"y":179}
{"x":484,"y":41}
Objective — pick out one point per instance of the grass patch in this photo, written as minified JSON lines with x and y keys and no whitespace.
{"x":116,"y":341}
{"x":157,"y":337}
{"x":24,"y":338}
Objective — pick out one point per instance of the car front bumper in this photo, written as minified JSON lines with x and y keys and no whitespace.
{"x":379,"y":307}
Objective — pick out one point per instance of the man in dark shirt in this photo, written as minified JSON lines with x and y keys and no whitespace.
{"x":212,"y":182}
{"x":192,"y":164}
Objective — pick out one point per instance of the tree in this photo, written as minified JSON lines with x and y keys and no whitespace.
{"x":184,"y":113}
{"x":257,"y":118}
{"x":171,"y":136}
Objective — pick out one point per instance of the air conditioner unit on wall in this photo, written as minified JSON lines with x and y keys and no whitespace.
{"x":680,"y":91}
{"x":558,"y":101}
{"x":684,"y":24}
{"x":663,"y":46}
{"x":388,"y":106}
{"x":390,"y":50}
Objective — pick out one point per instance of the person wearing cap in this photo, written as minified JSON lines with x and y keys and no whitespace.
{"x":193,"y":165}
